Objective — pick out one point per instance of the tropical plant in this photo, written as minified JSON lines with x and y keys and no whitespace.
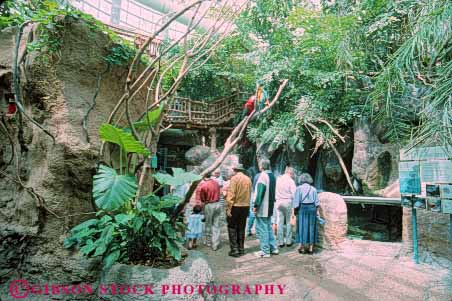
{"x":130,"y":228}
{"x":417,"y":75}
{"x":383,"y":59}
{"x":305,"y":45}
{"x":133,"y":222}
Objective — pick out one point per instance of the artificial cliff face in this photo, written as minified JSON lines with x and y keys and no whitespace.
{"x":375,"y":161}
{"x":54,"y":190}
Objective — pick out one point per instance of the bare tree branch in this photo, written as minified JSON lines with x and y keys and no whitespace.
{"x":338,"y":155}
{"x":129,"y":86}
{"x":156,"y":33}
{"x":167,"y":49}
{"x":335,"y":131}
{"x":231,"y":142}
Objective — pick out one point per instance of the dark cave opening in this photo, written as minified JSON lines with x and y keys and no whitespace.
{"x":374,"y":222}
{"x":384,"y":169}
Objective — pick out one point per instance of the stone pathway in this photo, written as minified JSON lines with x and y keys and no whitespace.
{"x":360,"y":270}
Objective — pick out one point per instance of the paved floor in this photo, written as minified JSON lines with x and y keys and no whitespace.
{"x":360,"y":270}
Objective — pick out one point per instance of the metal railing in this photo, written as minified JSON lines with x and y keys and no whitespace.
{"x":371,"y":200}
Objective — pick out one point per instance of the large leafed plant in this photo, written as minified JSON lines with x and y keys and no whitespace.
{"x":126,"y":228}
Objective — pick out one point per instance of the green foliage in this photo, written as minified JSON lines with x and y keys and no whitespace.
{"x":228,"y":70}
{"x":180,"y":177}
{"x":48,"y":14}
{"x":264,"y":19}
{"x":309,"y":48}
{"x":417,"y":75}
{"x":110,"y":190}
{"x":282,"y":130}
{"x":51,"y":16}
{"x":149,"y":120}
{"x":129,"y":228}
{"x":126,"y":141}
{"x":393,"y":53}
{"x":127,"y":232}
{"x":141,"y":233}
{"x":120,"y":54}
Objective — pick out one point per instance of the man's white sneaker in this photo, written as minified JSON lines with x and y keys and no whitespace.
{"x":261,"y":254}
{"x":275,"y":252}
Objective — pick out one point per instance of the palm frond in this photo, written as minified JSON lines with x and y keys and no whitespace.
{"x":419,"y":62}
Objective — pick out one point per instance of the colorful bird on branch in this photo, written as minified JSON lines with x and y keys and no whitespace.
{"x":262,"y":100}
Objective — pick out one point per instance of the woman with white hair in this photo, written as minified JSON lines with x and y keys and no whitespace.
{"x":306,"y":205}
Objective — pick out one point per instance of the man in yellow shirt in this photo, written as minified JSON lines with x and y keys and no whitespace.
{"x":237,"y":208}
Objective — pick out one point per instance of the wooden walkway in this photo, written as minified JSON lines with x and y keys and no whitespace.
{"x":187,"y":113}
{"x":184,"y":112}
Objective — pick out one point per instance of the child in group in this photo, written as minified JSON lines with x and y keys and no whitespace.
{"x":194,"y":230}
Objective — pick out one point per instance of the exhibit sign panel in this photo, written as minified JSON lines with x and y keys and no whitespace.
{"x":410,"y":179}
{"x":425,"y":176}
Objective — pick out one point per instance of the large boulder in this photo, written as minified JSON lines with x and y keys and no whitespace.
{"x":334,"y":211}
{"x":229,"y":163}
{"x":197,"y":154}
{"x":188,"y":278}
{"x":225,"y":168}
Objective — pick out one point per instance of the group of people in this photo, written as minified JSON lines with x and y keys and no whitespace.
{"x":271,"y":204}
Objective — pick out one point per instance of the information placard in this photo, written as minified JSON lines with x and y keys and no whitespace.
{"x":426,"y":153}
{"x":439,"y":171}
{"x":446,"y":206}
{"x":425,"y":177}
{"x":446,"y":191}
{"x":419,"y":203}
{"x":434,"y":204}
{"x":407,"y":201}
{"x":409,"y":175}
{"x":432,"y":190}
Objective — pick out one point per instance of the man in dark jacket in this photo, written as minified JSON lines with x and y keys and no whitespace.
{"x":237,"y":207}
{"x":263,"y":209}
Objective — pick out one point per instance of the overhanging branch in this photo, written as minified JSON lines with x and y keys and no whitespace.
{"x":231,"y":142}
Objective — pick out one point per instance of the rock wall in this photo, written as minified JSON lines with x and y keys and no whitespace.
{"x":57,"y":93}
{"x":375,"y":161}
{"x":334,"y":179}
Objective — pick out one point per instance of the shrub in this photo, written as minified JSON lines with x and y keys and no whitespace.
{"x":126,"y":228}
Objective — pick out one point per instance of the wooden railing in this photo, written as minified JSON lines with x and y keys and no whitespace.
{"x":191,"y":113}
